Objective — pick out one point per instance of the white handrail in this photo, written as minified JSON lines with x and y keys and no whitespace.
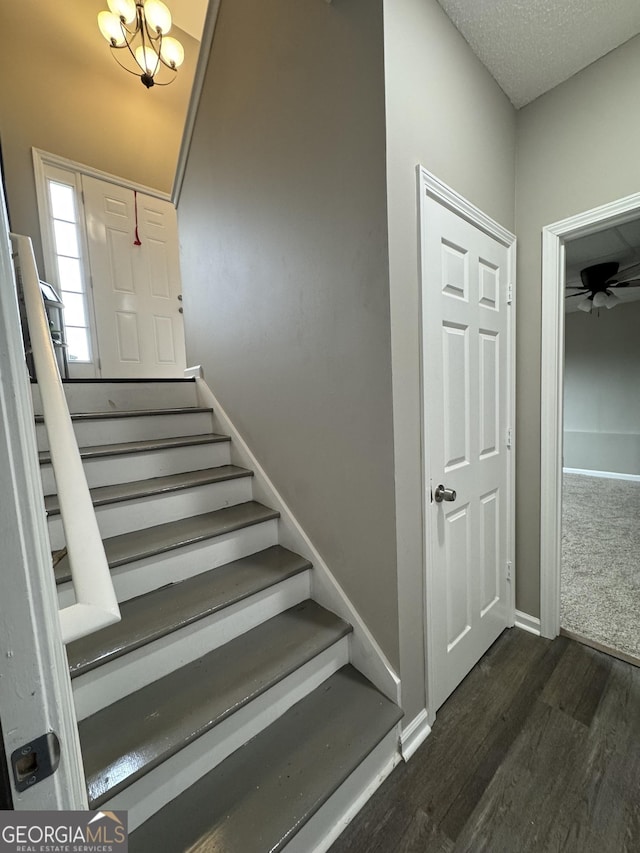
{"x":96,"y":604}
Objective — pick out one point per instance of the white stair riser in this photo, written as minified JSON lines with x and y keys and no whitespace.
{"x":114,"y":680}
{"x":111,"y":470}
{"x":319,"y":833}
{"x":114,"y":430}
{"x":141,"y":576}
{"x":127,"y":516}
{"x":119,"y":396}
{"x":164,"y":783}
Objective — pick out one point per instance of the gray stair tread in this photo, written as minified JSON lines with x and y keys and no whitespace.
{"x":126,"y":740}
{"x":155,"y":486}
{"x":126,"y":447}
{"x":133,"y":413}
{"x":158,"y":613}
{"x":128,"y":547}
{"x":258,"y":798}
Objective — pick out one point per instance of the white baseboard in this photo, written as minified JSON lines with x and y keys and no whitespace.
{"x":528,"y":623}
{"x":366,"y":654}
{"x":608,"y":475}
{"x":414,"y":734}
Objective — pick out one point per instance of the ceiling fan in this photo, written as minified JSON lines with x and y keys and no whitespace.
{"x":599,"y":280}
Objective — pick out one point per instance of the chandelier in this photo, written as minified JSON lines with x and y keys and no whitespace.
{"x":139,"y":28}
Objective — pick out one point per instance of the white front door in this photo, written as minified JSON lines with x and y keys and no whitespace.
{"x":467,"y":370}
{"x":136,"y":288}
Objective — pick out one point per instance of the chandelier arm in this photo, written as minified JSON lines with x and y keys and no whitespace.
{"x":135,"y":73}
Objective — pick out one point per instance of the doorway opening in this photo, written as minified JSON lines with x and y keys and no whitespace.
{"x":590,"y":416}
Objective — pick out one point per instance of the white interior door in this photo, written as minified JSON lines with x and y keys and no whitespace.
{"x":136,"y":288}
{"x":467,"y":373}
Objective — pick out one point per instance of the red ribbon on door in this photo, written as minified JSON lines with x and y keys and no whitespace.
{"x":136,"y":242}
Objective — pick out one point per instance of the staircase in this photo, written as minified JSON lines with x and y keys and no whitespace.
{"x":223,"y":711}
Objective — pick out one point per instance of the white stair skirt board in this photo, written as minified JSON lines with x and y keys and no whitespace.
{"x":136,"y":578}
{"x":414,"y":734}
{"x":139,"y":513}
{"x":162,"y":784}
{"x":366,"y":654}
{"x":528,"y":623}
{"x":119,"y":396}
{"x":607,"y":475}
{"x":128,"y":467}
{"x":112,"y":681}
{"x":328,"y":823}
{"x":135,"y":428}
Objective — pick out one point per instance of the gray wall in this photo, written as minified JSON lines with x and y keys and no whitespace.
{"x":602,"y":390}
{"x":577,"y":149}
{"x":285,"y":269}
{"x":446,"y":112}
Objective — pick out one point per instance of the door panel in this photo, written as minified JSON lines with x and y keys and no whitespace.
{"x":465,"y":321}
{"x":135,"y":287}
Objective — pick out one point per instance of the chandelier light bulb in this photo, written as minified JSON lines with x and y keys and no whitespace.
{"x":147,"y":59}
{"x":110,"y":27}
{"x":158,"y":16}
{"x":172,"y":52}
{"x":123,"y":9}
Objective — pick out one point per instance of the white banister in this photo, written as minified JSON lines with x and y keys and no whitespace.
{"x":96,"y":604}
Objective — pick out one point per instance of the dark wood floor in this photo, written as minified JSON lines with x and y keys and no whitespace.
{"x":538,"y":750}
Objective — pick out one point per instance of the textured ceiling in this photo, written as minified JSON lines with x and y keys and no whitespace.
{"x":530,"y":46}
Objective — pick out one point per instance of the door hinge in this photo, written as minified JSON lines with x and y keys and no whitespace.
{"x":509,"y":293}
{"x":509,"y":570}
{"x":509,"y":437}
{"x":82,"y":195}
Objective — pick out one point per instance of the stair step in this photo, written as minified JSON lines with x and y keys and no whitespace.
{"x":157,"y":614}
{"x":78,"y":417}
{"x":150,"y":444}
{"x":93,"y":428}
{"x":129,"y":547}
{"x":126,"y":740}
{"x":260,"y":796}
{"x":87,"y":395}
{"x":104,"y":495}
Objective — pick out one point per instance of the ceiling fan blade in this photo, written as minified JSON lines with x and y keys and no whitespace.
{"x":581,"y":293}
{"x":634,"y":282}
{"x":626,"y":274}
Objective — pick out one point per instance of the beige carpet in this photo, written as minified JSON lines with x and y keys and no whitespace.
{"x":600,"y":597}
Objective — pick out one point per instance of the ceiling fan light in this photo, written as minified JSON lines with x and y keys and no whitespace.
{"x":110,"y":27}
{"x":612,"y":300}
{"x":599,"y":299}
{"x":123,"y":9}
{"x":585,"y":305}
{"x":158,"y":16}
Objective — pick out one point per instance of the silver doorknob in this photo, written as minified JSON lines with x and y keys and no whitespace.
{"x":442,"y":494}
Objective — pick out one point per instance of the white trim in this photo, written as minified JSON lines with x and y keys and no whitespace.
{"x":414,"y":734}
{"x":551,"y":390}
{"x":35,"y":692}
{"x":527,"y":623}
{"x":206,"y":44}
{"x":429,"y":185}
{"x":41,"y":158}
{"x":366,"y":654}
{"x":607,"y":475}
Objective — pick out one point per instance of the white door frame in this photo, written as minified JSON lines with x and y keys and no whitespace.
{"x":428,"y":184}
{"x":552,"y":390}
{"x":35,"y":688}
{"x":41,"y":159}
